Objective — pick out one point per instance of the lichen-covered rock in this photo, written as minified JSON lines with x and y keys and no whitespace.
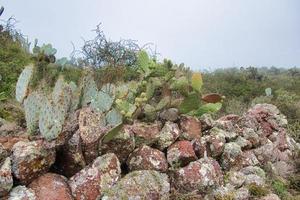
{"x":10,"y":128}
{"x":92,"y":129}
{"x":168,"y":134}
{"x":3,"y":153}
{"x":190,"y":127}
{"x":180,"y":154}
{"x":269,"y":153}
{"x":248,"y":158}
{"x":223,"y":192}
{"x":170,"y":114}
{"x":242,"y":194}
{"x":30,"y":160}
{"x":254,"y":175}
{"x":145,"y":133}
{"x":235,"y":178}
{"x":93,"y":180}
{"x":216,"y":141}
{"x":147,"y":158}
{"x":6,"y":179}
{"x":9,"y":141}
{"x":264,"y":117}
{"x":271,"y":197}
{"x":250,"y":135}
{"x":121,"y":145}
{"x":228,"y":123}
{"x":206,"y":121}
{"x":51,"y":187}
{"x":198,"y":176}
{"x":231,"y":155}
{"x":283,"y":169}
{"x":144,"y":184}
{"x":201,"y":146}
{"x":22,"y":193}
{"x":243,"y":143}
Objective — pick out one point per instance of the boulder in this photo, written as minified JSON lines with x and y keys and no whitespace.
{"x":30,"y":160}
{"x":180,"y":154}
{"x":147,"y":158}
{"x":231,"y":156}
{"x":200,"y":175}
{"x":93,"y":180}
{"x":144,"y":184}
{"x":6,"y":179}
{"x":22,"y":193}
{"x":190,"y":127}
{"x":170,"y":114}
{"x":145,"y":133}
{"x":51,"y":187}
{"x":216,"y":141}
{"x":121,"y":145}
{"x":168,"y":135}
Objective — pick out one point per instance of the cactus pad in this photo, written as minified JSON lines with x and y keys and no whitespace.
{"x":102,"y":102}
{"x":23,"y":83}
{"x":113,"y":117}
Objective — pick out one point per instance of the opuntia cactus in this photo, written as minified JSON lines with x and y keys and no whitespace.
{"x":22,"y":86}
{"x":114,"y":118}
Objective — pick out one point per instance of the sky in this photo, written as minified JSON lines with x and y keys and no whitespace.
{"x":203,"y":34}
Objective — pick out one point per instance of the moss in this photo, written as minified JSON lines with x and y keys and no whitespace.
{"x":257,"y":190}
{"x":279,"y":187}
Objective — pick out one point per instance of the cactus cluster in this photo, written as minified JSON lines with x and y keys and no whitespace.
{"x":161,"y":86}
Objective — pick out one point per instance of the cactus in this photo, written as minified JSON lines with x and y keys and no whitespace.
{"x":127,"y":109}
{"x":75,"y":96}
{"x":122,"y":91}
{"x":89,"y":91}
{"x":206,"y":108}
{"x":268,"y":92}
{"x":113,"y":118}
{"x":144,"y":63}
{"x":48,"y":50}
{"x":109,"y":88}
{"x":150,"y":112}
{"x":190,"y":103}
{"x":50,"y":121}
{"x":32,"y":108}
{"x":22,"y":86}
{"x":102,"y":102}
{"x":197,"y":81}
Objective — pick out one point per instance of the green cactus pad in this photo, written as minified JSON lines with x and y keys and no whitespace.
{"x":32,"y":108}
{"x":50,"y":121}
{"x":22,"y":86}
{"x":206,"y":108}
{"x":114,"y":117}
{"x":191,"y":102}
{"x":102,"y":102}
{"x":89,"y":91}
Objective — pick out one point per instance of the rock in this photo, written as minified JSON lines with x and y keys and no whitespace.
{"x":121,"y":145}
{"x":92,"y":129}
{"x":180,"y":154}
{"x":243,"y":143}
{"x":190,"y":127}
{"x":207,"y":122}
{"x":51,"y":187}
{"x":3,"y":153}
{"x":145,"y":133}
{"x":254,"y":175}
{"x":248,"y":158}
{"x":6,"y":179}
{"x":228,"y":123}
{"x":284,"y":169}
{"x":235,"y":178}
{"x":250,"y":135}
{"x":10,"y":128}
{"x":93,"y":180}
{"x":168,"y":134}
{"x":147,"y":158}
{"x":144,"y":184}
{"x":216,"y":141}
{"x":271,"y":197}
{"x":242,"y":194}
{"x":280,"y":140}
{"x":30,"y":160}
{"x":9,"y":141}
{"x":200,"y":175}
{"x":231,"y":155}
{"x":22,"y":193}
{"x":269,"y":153}
{"x":264,"y":117}
{"x":223,"y":192}
{"x":70,"y":159}
{"x":201,"y":146}
{"x":170,"y":114}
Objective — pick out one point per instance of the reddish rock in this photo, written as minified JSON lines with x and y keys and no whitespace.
{"x":10,"y":128}
{"x":168,"y":135}
{"x":145,"y":133}
{"x":250,"y":135}
{"x":200,"y":176}
{"x":270,"y":153}
{"x":180,"y":154}
{"x":206,"y":121}
{"x":201,"y":146}
{"x":70,"y":159}
{"x":3,"y":153}
{"x":190,"y":127}
{"x":121,"y":145}
{"x":228,"y":123}
{"x":51,"y":187}
{"x":21,"y":193}
{"x":92,"y":129}
{"x":248,"y":158}
{"x":144,"y":184}
{"x":147,"y":158}
{"x":30,"y":160}
{"x":6,"y":179}
{"x":9,"y":141}
{"x":271,"y":197}
{"x":231,"y":156}
{"x":280,"y":139}
{"x":92,"y":181}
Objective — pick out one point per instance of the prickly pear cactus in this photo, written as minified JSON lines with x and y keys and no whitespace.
{"x":58,"y":88}
{"x":102,"y":102}
{"x":109,"y":88}
{"x":50,"y":121}
{"x":22,"y":86}
{"x":75,"y":96}
{"x":32,"y":108}
{"x":114,"y":118}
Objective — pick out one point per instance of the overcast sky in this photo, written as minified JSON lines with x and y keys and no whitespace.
{"x":200,"y":33}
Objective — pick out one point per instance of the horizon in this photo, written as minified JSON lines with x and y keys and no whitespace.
{"x":204,"y":35}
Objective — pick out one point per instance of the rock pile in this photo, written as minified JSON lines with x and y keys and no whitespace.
{"x":178,"y":156}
